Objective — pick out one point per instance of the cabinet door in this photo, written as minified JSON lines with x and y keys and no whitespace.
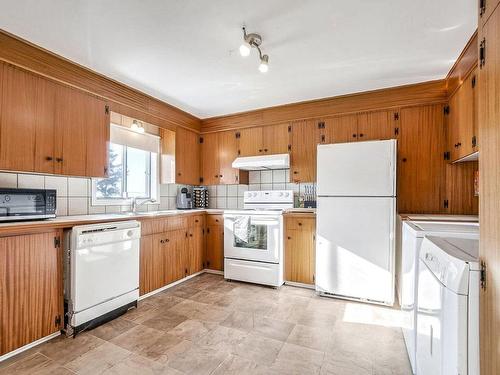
{"x":31,"y":294}
{"x":147,"y":264}
{"x":453,"y":123}
{"x":379,"y":125}
{"x":196,"y":250}
{"x":303,"y":151}
{"x":167,"y":155}
{"x":176,"y":255}
{"x":187,"y":156}
{"x":250,"y":141}
{"x":275,"y":139}
{"x":228,"y":151}
{"x":210,"y":156}
{"x":71,"y":134}
{"x":339,"y":129}
{"x":97,"y":133}
{"x":158,"y":269}
{"x":27,"y":106}
{"x":420,"y":160}
{"x":215,"y":247}
{"x":299,"y":256}
{"x":489,"y":210}
{"x":468,"y":116}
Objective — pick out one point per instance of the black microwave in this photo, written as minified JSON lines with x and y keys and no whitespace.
{"x":27,"y":204}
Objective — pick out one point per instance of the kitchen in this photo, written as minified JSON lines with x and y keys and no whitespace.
{"x":229,"y":208}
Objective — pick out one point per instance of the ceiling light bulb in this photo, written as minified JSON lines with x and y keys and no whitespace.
{"x":264,"y":64}
{"x":245,"y":49}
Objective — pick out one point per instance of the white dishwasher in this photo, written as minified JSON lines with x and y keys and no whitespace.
{"x":101,"y":272}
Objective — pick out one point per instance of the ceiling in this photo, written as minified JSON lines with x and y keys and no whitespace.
{"x":186,"y":52}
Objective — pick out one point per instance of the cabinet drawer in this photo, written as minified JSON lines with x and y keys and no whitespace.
{"x":215,"y":220}
{"x":300,"y":224}
{"x":197,"y":221}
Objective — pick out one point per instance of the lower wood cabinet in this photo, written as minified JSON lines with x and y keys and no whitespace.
{"x":214,"y":254}
{"x":196,"y":249}
{"x":300,"y":248}
{"x":31,"y":293}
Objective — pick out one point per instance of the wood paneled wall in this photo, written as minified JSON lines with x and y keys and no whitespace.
{"x":122,"y":99}
{"x":397,"y":97}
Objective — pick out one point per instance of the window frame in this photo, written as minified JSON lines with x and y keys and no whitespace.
{"x":152,"y":182}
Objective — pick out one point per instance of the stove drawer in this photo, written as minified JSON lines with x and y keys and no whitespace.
{"x":253,"y":272}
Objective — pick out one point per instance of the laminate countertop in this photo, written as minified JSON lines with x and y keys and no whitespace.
{"x":24,"y":227}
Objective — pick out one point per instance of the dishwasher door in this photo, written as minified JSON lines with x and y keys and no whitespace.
{"x":104,"y":264}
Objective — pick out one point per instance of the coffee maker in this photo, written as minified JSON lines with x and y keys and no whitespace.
{"x":184,"y":199}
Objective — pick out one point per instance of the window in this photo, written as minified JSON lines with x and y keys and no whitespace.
{"x":132,"y":171}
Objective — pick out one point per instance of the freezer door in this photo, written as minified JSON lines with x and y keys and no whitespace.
{"x":357,"y":169}
{"x":355,"y":247}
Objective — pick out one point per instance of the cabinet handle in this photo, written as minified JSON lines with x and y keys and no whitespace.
{"x":216,"y":220}
{"x":190,"y":234}
{"x":220,"y":176}
{"x":295,"y":172}
{"x":265,"y":150}
{"x":459,"y":144}
{"x":59,"y":160}
{"x":403,"y":160}
{"x":361,"y":135}
{"x":354,"y":135}
{"x":179,"y":173}
{"x":167,"y":240}
{"x":161,"y":241}
{"x":216,"y":176}
{"x":300,"y":224}
{"x":289,"y":237}
{"x":196,"y":221}
{"x":49,"y":158}
{"x":260,"y":150}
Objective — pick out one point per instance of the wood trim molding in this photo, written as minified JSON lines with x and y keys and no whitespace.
{"x":432,"y":92}
{"x":122,"y":98}
{"x":465,"y":63}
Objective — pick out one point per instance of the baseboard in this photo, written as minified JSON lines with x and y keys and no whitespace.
{"x":28,"y":346}
{"x":215,"y":272}
{"x":300,"y":285}
{"x":156,"y":291}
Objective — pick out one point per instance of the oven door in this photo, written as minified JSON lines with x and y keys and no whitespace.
{"x":253,"y":237}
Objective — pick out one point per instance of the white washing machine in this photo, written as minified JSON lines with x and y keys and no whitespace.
{"x":413,"y":233}
{"x":448,"y":307}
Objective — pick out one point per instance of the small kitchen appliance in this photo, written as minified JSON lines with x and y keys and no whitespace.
{"x":184,"y":199}
{"x":200,"y":196}
{"x":27,"y":204}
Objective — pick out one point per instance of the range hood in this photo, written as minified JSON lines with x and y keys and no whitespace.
{"x":262,"y":162}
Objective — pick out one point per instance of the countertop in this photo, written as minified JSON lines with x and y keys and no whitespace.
{"x":21,"y":227}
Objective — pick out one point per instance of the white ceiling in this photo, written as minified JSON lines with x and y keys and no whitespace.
{"x":186,"y":52}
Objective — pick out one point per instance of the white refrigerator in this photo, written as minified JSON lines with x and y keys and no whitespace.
{"x":356,"y":216}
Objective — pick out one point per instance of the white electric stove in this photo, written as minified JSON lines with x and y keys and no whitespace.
{"x":253,"y":238}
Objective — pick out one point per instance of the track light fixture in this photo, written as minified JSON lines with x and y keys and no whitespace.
{"x":250,"y":41}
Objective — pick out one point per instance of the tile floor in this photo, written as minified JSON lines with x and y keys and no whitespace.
{"x":209,"y":326}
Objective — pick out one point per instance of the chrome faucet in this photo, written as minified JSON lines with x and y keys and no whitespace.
{"x":135,"y":204}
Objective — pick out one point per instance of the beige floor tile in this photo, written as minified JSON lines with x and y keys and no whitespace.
{"x":161,"y":348}
{"x":113,"y":328}
{"x":239,"y":320}
{"x":343,"y":369}
{"x":164,"y":300}
{"x":272,"y":328}
{"x":222,"y":338}
{"x":98,"y":359}
{"x":144,"y":311}
{"x":310,"y":337}
{"x":137,"y":339}
{"x":35,"y":363}
{"x":64,"y":350}
{"x":165,"y":321}
{"x":188,"y":308}
{"x":192,"y":329}
{"x":205,"y":296}
{"x":259,"y":349}
{"x":226,"y":300}
{"x":253,"y":305}
{"x":198,"y":360}
{"x":138,"y":365}
{"x":183,"y":291}
{"x":236,"y":365}
{"x":295,"y":353}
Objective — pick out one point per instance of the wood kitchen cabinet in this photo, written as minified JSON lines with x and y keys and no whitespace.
{"x":196,"y":244}
{"x":300,"y":248}
{"x":28,"y":105}
{"x":377,"y":125}
{"x":51,"y":128}
{"x":214,"y":250}
{"x":303,"y":141}
{"x":151,"y":269}
{"x":187,"y":157}
{"x":339,"y":129}
{"x":262,"y":140}
{"x":420,"y":159}
{"x":31,"y":297}
{"x":463,"y":118}
{"x":218,"y":153}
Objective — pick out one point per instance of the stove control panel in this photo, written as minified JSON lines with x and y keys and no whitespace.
{"x":268,"y":198}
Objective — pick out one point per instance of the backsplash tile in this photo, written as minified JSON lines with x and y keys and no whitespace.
{"x":78,"y":187}
{"x":30,"y":181}
{"x":8,"y":180}
{"x":60,"y":184}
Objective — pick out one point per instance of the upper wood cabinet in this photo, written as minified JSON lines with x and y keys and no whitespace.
{"x":303,"y":141}
{"x":218,"y":151}
{"x":28,"y":105}
{"x":377,"y":125}
{"x":31,"y":301}
{"x":210,"y":166}
{"x":50,"y":128}
{"x":167,"y":156}
{"x":270,"y":139}
{"x":187,"y":157}
{"x":339,"y":129}
{"x":462,"y":119}
{"x":486,"y":8}
{"x":421,"y":145}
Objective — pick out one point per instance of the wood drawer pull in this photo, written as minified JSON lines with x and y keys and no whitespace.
{"x":49,"y":158}
{"x":300,"y":224}
{"x":289,"y":237}
{"x":196,"y":221}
